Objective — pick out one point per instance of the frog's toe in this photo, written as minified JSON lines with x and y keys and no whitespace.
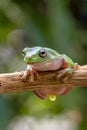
{"x":76,"y":66}
{"x":25,"y":75}
{"x":31,"y":74}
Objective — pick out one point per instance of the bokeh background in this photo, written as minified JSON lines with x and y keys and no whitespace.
{"x":58,"y":24}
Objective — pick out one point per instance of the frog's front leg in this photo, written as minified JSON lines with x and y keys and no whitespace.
{"x":30,"y":72}
{"x":65,"y":73}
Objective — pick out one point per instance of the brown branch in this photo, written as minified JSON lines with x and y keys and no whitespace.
{"x":11,"y":82}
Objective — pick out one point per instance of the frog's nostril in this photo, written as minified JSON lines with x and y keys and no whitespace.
{"x":27,"y":58}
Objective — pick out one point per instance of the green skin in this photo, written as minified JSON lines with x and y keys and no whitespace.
{"x":31,"y":55}
{"x":46,"y":59}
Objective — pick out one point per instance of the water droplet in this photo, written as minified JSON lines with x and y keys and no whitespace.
{"x":52,"y":97}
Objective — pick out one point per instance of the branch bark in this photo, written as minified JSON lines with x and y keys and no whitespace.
{"x":12,"y":82}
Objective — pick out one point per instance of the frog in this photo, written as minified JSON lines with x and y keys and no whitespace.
{"x":46,"y":59}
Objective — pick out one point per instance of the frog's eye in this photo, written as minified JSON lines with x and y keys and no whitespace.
{"x":42,"y":53}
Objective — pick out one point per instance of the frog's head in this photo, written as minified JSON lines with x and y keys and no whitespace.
{"x":38,"y":54}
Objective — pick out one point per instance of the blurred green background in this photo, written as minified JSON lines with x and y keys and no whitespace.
{"x":58,"y":24}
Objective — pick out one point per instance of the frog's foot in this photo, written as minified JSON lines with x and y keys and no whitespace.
{"x":40,"y":93}
{"x":65,"y":74}
{"x":30,"y":72}
{"x":52,"y":93}
{"x":66,"y":90}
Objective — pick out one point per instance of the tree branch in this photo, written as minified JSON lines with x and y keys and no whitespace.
{"x":11,"y":82}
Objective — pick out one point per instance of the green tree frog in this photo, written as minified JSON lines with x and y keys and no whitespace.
{"x":47,"y":59}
